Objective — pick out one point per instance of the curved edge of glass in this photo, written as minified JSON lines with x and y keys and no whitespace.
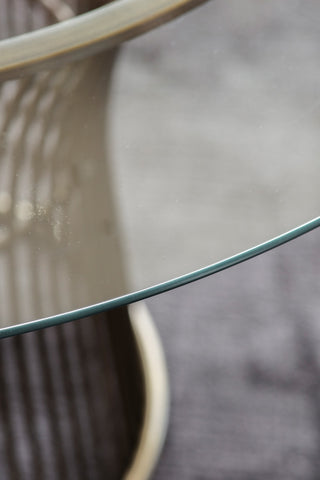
{"x":162,"y":287}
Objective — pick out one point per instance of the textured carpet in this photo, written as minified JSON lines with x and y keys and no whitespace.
{"x":216,"y":139}
{"x":243,"y":352}
{"x":239,"y":147}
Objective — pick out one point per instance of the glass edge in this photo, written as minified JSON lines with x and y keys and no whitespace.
{"x":162,"y":287}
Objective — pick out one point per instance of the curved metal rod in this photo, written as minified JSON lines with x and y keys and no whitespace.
{"x":163,"y":287}
{"x":86,"y":34}
{"x":156,"y":410}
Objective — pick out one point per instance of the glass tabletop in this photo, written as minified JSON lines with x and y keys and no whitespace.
{"x":208,"y":156}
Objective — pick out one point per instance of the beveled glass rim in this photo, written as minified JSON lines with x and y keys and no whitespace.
{"x":162,"y":287}
{"x":86,"y":34}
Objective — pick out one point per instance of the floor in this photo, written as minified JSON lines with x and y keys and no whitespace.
{"x":243,"y":353}
{"x":216,"y":147}
{"x":214,"y":136}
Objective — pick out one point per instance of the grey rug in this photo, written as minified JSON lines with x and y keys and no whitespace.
{"x":242,"y":346}
{"x":243,"y":353}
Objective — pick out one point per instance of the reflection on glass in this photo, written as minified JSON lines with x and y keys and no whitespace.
{"x":215,"y":133}
{"x":214,"y":141}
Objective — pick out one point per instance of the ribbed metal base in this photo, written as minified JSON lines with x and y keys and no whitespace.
{"x":77,"y":399}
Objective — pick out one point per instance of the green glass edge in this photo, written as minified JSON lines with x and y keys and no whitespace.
{"x":162,"y":287}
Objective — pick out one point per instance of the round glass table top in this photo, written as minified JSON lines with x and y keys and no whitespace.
{"x":123,"y":176}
